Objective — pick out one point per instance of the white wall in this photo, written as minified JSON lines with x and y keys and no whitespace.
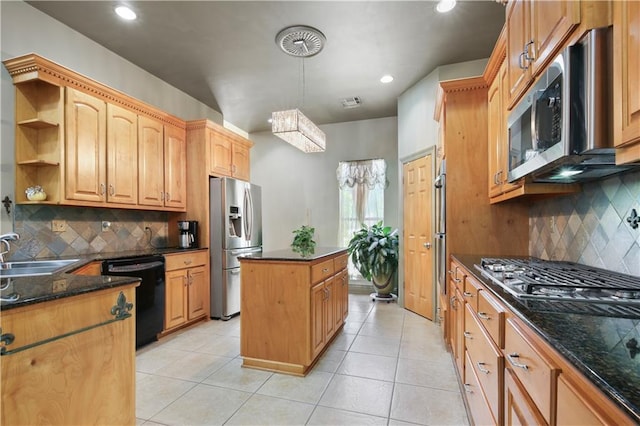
{"x":301,"y":189}
{"x":417,"y":130}
{"x":26,"y":30}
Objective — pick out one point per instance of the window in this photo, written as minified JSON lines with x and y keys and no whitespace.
{"x":362,"y":185}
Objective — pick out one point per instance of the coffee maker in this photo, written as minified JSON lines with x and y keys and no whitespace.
{"x":188,"y":236}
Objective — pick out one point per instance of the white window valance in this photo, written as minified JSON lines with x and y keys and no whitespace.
{"x":370,"y":173}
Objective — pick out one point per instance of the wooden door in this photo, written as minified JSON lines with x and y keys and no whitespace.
{"x":197,"y":292}
{"x":150,"y":162}
{"x":176,"y":298}
{"x":175,"y":168}
{"x":85,"y":176}
{"x":240,"y":161}
{"x":517,"y":37}
{"x":418,"y":255}
{"x":122,"y":155}
{"x":626,"y":86}
{"x":221,"y":154}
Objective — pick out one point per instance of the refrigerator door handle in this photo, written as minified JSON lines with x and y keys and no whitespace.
{"x":248,"y":214}
{"x":245,"y":251}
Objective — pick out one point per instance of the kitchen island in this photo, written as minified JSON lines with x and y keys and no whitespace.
{"x":291,"y":307}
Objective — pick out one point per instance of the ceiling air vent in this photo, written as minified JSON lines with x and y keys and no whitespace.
{"x":352,"y":102}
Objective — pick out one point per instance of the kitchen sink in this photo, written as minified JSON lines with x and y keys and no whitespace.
{"x":32,"y":268}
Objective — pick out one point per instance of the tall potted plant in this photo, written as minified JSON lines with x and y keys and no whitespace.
{"x":374,"y":253}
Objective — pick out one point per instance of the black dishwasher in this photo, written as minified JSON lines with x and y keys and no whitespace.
{"x":149,"y":294}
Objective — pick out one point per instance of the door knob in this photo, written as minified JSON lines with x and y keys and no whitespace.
{"x":427,"y":245}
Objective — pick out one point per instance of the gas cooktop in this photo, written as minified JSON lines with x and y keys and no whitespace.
{"x":538,"y":283}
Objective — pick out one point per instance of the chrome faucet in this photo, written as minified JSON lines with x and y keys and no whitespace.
{"x":4,"y":239}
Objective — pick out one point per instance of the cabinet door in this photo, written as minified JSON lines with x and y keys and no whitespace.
{"x":573,"y":408}
{"x":495,"y":140}
{"x":518,"y":407}
{"x":240,"y":157}
{"x":518,"y":69}
{"x":626,"y":69}
{"x":176,"y":298}
{"x":221,"y":155}
{"x":150,"y":162}
{"x":330,"y":307}
{"x":197,"y":292}
{"x":317,"y":319}
{"x":122,"y":155}
{"x":175,"y":168}
{"x":551,"y":23}
{"x":85,"y":176}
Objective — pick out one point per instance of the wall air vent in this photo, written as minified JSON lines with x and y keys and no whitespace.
{"x":352,"y":102}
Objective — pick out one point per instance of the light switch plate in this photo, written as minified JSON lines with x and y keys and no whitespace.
{"x":58,"y":225}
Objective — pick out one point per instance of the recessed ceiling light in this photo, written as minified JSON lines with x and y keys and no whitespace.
{"x":125,"y":13}
{"x":445,"y":5}
{"x":386,"y":79}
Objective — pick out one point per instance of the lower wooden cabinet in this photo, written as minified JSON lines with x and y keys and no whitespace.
{"x":187,"y":288}
{"x":476,"y":399}
{"x":291,"y":310}
{"x":72,"y":360}
{"x":519,"y":409}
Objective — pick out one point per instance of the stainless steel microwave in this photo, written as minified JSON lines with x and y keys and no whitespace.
{"x":561,"y":131}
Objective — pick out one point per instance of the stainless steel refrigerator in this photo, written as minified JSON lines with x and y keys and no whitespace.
{"x":236,"y":229}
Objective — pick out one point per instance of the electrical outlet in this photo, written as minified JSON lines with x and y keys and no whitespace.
{"x":106,"y":225}
{"x":552,"y":225}
{"x":58,"y":225}
{"x":147,"y":225}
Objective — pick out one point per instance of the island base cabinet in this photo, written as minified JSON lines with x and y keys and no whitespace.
{"x":71,"y":362}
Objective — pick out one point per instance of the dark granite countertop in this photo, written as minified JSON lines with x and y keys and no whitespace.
{"x":290,"y":255}
{"x":37,"y":289}
{"x":595,"y":345}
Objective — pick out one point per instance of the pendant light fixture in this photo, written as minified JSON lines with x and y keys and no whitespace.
{"x":293,"y":126}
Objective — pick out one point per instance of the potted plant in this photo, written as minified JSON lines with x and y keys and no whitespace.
{"x":303,"y":241}
{"x":374,"y":253}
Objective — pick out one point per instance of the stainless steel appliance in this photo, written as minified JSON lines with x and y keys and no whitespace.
{"x":150,"y":294}
{"x":236,"y":229}
{"x":440,"y":235}
{"x":559,"y":286}
{"x":561,"y":131}
{"x":188,"y":236}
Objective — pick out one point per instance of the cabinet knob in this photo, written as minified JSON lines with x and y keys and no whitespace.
{"x":427,"y":245}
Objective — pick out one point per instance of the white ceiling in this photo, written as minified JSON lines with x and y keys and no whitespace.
{"x":224,"y":54}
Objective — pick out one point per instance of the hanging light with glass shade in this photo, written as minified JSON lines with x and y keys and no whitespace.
{"x":291,"y":125}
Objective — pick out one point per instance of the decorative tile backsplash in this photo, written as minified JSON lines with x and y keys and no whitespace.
{"x":590,"y":227}
{"x":83,"y":232}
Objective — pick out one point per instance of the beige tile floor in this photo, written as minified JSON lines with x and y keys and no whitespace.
{"x":388,"y":366}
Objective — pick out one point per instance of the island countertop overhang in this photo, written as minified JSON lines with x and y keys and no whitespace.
{"x":286,"y":255}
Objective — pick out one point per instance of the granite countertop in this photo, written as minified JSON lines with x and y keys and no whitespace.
{"x":290,"y":255}
{"x":595,"y":345}
{"x":37,"y":289}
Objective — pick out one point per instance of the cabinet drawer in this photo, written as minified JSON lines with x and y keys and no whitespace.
{"x":486,"y":360}
{"x":475,"y":397}
{"x":471,"y":289}
{"x":321,"y":270}
{"x":456,"y":275}
{"x":340,"y":262}
{"x":491,"y":315}
{"x":537,"y":374}
{"x":185,"y":260}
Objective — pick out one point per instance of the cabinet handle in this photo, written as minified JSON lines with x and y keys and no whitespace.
{"x":453,"y":303}
{"x":162,"y":196}
{"x":482,"y":369}
{"x":112,"y":189}
{"x":188,"y":262}
{"x":467,"y":294}
{"x":515,"y":363}
{"x":468,"y":388}
{"x":167,"y":197}
{"x":325,"y":270}
{"x":484,"y":316}
{"x":103,"y":188}
{"x":467,"y":335}
{"x":528,"y":57}
{"x":457,"y":280}
{"x":451,"y":273}
{"x":521,"y":61}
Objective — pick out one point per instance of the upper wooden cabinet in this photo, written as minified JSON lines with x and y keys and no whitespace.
{"x":228,"y":153}
{"x":89,"y":145}
{"x":538,"y":29}
{"x":626,"y":82}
